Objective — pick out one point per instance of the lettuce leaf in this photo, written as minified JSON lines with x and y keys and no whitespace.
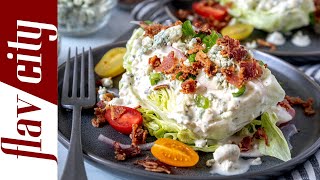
{"x":278,"y":146}
{"x":165,"y":128}
{"x":271,"y":19}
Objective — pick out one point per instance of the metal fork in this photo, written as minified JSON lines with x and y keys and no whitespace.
{"x":74,"y":167}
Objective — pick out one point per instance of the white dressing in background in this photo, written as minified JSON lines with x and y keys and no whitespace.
{"x":301,"y":40}
{"x":276,"y":38}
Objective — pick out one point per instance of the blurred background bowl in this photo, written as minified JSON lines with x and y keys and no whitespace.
{"x":83,"y":17}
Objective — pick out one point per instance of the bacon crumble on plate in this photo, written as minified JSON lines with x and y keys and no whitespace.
{"x":123,"y":154}
{"x":264,"y":43}
{"x":247,"y":142}
{"x":154,"y":165}
{"x":307,"y":105}
{"x":138,"y":135}
{"x":99,"y":112}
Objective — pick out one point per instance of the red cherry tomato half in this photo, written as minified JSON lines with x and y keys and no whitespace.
{"x":215,"y":11}
{"x":124,"y":122}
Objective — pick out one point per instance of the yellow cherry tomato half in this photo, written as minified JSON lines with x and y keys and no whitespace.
{"x":174,"y":153}
{"x":111,"y":64}
{"x":237,"y":31}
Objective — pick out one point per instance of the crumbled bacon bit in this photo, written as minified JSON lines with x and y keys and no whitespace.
{"x":205,"y":29}
{"x":189,"y":86}
{"x":209,"y":67}
{"x":307,"y":105}
{"x":162,"y":86}
{"x":117,"y":111}
{"x":107,"y":97}
{"x":232,"y":48}
{"x":261,"y":134}
{"x":154,"y":61}
{"x":98,"y":83}
{"x":183,"y":14}
{"x":99,"y":112}
{"x":246,"y":144}
{"x":262,"y":42}
{"x":250,"y":70}
{"x":152,"y":29}
{"x":138,"y":135}
{"x":123,"y":154}
{"x":196,"y":47}
{"x":168,"y":64}
{"x":232,"y":77}
{"x":154,"y":165}
{"x":285,"y":104}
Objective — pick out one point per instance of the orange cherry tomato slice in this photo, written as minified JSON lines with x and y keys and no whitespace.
{"x":174,"y":153}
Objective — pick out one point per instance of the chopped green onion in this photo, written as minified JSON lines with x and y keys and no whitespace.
{"x":240,"y":92}
{"x":210,"y":40}
{"x":148,"y":22}
{"x":178,"y":75}
{"x":154,"y":78}
{"x":312,"y":17}
{"x":192,"y":58}
{"x":187,"y":29}
{"x":261,"y":63}
{"x":200,"y":35}
{"x":202,"y":102}
{"x":192,"y":76}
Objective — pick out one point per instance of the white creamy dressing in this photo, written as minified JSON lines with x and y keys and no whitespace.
{"x":101,"y":92}
{"x":226,"y":161}
{"x":300,"y":39}
{"x":276,"y":38}
{"x":282,"y":114}
{"x":107,"y":82}
{"x":225,"y":115}
{"x":252,"y":45}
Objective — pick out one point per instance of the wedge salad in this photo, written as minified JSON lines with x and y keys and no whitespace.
{"x":203,"y":89}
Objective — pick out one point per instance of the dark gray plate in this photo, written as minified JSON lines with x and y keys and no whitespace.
{"x":304,"y":143}
{"x":288,"y":49}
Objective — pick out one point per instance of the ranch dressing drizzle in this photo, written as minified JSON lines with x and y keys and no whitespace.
{"x":226,"y":161}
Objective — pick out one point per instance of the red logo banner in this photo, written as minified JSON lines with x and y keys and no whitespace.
{"x":28,"y":89}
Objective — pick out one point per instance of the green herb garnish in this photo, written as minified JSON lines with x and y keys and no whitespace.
{"x":178,"y":75}
{"x":200,"y":35}
{"x":154,"y":78}
{"x":148,"y":22}
{"x":261,"y":63}
{"x":192,"y":58}
{"x":187,"y":29}
{"x":202,"y":102}
{"x":210,"y":40}
{"x":192,"y":76}
{"x":240,"y":92}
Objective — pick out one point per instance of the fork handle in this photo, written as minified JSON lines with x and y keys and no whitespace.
{"x":74,"y":167}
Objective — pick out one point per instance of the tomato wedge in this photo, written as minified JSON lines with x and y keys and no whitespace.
{"x":111,"y":64}
{"x":215,"y":11}
{"x":174,"y":153}
{"x":126,"y":119}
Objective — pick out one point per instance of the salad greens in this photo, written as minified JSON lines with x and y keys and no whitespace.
{"x":278,"y":146}
{"x":265,"y":15}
